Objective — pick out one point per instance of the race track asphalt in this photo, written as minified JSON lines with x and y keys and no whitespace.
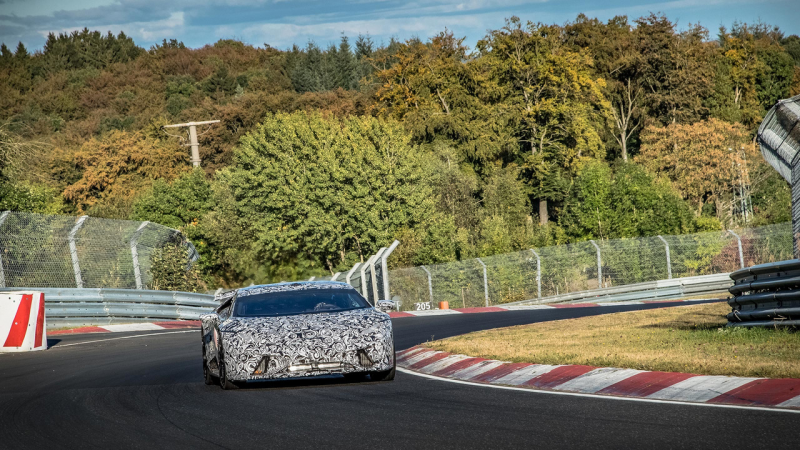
{"x":115,"y":391}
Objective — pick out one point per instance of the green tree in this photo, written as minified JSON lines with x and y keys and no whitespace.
{"x":550,"y":99}
{"x":317,"y":189}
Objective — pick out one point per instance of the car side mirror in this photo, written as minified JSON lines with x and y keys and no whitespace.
{"x":386,"y":305}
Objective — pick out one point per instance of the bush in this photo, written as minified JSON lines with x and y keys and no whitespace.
{"x":170,"y":270}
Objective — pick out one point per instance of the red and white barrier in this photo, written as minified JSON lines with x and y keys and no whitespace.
{"x":22,"y":322}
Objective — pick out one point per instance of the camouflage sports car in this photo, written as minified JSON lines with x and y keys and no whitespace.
{"x":300,"y":329}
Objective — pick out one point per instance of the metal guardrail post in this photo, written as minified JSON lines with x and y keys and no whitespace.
{"x":669,"y":263}
{"x":73,"y":251}
{"x":430,"y":283}
{"x":350,"y":273}
{"x":385,"y":268}
{"x":741,"y":255}
{"x":485,"y":282}
{"x":374,"y":277}
{"x":137,"y":273}
{"x":599,"y":266}
{"x":2,"y":274}
{"x":538,"y":274}
{"x":335,"y":276}
{"x":364,"y":276}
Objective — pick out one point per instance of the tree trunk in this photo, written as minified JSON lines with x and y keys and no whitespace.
{"x":624,"y":147}
{"x":543,"y":211}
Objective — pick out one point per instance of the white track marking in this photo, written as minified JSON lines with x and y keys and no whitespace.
{"x":597,"y":396}
{"x":520,"y":376}
{"x":57,"y":346}
{"x":700,"y":388}
{"x":131,"y":327}
{"x":434,"y":312}
{"x":597,"y":379}
{"x":526,"y":307}
{"x":476,"y":369}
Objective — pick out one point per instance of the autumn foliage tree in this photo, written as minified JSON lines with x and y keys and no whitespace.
{"x":704,"y":160}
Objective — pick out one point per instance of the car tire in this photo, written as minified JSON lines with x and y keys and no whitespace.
{"x":355,"y":376}
{"x":224,"y":382}
{"x":385,"y":375}
{"x":208,"y":379}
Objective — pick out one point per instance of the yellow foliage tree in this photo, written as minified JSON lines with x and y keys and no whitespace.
{"x":705,"y":160}
{"x":117,"y":167}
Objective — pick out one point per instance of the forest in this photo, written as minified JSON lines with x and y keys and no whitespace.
{"x":540,"y":135}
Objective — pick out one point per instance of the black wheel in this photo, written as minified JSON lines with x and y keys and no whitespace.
{"x":224,"y":382}
{"x":355,"y":376}
{"x":386,"y":375}
{"x":207,"y":377}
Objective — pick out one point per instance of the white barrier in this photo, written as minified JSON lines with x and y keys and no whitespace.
{"x":22,"y":321}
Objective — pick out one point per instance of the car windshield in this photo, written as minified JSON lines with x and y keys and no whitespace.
{"x":306,"y":301}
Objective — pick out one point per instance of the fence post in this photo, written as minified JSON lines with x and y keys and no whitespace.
{"x":73,"y":251}
{"x":2,"y":274}
{"x":485,"y":282}
{"x":669,"y":263}
{"x":538,"y":274}
{"x":378,"y":257}
{"x":599,"y":266}
{"x":335,"y":276}
{"x":137,"y":273}
{"x":350,"y":273}
{"x":430,"y":283}
{"x":739,"y":240}
{"x":385,"y":268}
{"x":364,"y":276}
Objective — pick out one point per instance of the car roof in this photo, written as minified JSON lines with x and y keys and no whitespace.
{"x":292,"y":286}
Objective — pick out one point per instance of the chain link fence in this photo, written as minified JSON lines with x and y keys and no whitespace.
{"x":550,"y":271}
{"x":48,"y":251}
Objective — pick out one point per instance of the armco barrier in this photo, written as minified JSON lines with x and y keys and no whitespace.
{"x":67,"y":307}
{"x":22,"y":321}
{"x":651,"y":290}
{"x":766,"y":295}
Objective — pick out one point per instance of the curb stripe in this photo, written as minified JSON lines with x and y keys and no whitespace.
{"x":598,"y":379}
{"x":16,"y":335}
{"x":471,"y":372}
{"x":500,"y":372}
{"x":645,"y":383}
{"x":453,"y":368}
{"x":761,"y":392}
{"x":429,"y":360}
{"x":575,"y":305}
{"x":620,"y":383}
{"x":520,"y":377}
{"x":701,"y":388}
{"x":557,"y":376}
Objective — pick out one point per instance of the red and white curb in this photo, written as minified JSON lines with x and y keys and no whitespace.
{"x":630,"y":383}
{"x":486,"y":309}
{"x":121,"y":328}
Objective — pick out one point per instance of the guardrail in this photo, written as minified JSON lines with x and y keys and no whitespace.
{"x":766,"y":295}
{"x":651,"y":290}
{"x":67,"y":307}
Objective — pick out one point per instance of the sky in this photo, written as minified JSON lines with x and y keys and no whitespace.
{"x":281,"y":23}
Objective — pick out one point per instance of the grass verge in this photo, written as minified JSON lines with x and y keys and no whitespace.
{"x":678,"y":339}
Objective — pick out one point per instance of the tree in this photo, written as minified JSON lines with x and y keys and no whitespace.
{"x":677,"y":69}
{"x":175,"y":204}
{"x":307,"y":188}
{"x":704,"y":160}
{"x":115,"y":168}
{"x":549,"y":97}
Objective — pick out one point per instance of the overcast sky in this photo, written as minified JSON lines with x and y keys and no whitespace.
{"x":281,"y":23}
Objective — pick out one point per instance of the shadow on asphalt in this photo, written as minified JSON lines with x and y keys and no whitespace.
{"x":298,"y":383}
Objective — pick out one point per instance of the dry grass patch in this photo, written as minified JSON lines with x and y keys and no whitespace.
{"x":677,"y":339}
